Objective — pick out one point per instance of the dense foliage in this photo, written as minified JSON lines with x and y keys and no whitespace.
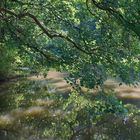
{"x":90,"y":40}
{"x":29,"y":111}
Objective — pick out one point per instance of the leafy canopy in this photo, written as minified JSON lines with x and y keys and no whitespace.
{"x":90,"y":40}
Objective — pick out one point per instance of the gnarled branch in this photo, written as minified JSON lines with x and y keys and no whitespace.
{"x":45,"y":30}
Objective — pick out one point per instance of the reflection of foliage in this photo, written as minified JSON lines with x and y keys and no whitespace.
{"x":40,"y":114}
{"x":84,"y":113}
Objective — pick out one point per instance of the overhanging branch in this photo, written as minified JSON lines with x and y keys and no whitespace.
{"x":44,"y":29}
{"x":114,"y":13}
{"x":46,"y":55}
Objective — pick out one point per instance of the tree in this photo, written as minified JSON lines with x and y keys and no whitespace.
{"x":121,"y":11}
{"x":91,"y":40}
{"x":65,"y":35}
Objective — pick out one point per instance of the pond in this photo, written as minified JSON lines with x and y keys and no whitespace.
{"x":31,"y":109}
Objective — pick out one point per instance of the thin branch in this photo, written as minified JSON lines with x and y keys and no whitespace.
{"x":88,"y":8}
{"x":116,"y":14}
{"x":108,"y":9}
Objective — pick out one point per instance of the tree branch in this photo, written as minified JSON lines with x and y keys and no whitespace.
{"x":47,"y":55}
{"x":45,"y":30}
{"x":107,"y":9}
{"x":114,"y":13}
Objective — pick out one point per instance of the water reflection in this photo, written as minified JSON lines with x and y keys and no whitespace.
{"x":29,"y":109}
{"x":19,"y":102}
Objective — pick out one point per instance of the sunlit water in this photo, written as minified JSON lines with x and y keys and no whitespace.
{"x":28,"y":105}
{"x":128,"y":94}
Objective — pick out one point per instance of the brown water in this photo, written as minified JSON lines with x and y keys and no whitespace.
{"x":27,"y":106}
{"x":128,"y":94}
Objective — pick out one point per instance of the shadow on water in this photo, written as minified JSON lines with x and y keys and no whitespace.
{"x":30,"y":107}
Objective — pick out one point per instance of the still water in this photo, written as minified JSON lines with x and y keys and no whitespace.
{"x":29,"y":106}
